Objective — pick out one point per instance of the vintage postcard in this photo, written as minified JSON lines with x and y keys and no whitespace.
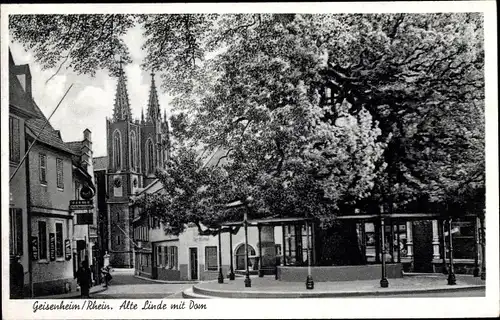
{"x":303,"y":160}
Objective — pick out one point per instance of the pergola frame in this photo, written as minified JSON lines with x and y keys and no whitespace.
{"x":362,"y":218}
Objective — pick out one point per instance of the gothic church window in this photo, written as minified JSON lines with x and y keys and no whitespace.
{"x":150,"y":156}
{"x":117,"y":145}
{"x":133,"y":142}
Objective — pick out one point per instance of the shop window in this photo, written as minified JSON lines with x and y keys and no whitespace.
{"x":16,"y":231}
{"x":42,"y":240}
{"x":59,"y":240}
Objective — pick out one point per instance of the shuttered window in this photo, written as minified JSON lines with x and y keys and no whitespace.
{"x":173,"y":257}
{"x":60,"y":173}
{"x":211,"y":258}
{"x":43,"y":168}
{"x":14,"y":140}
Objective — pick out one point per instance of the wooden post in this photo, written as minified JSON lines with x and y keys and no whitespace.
{"x":283,"y":250}
{"x":231,"y":273}
{"x":392,"y":242}
{"x":399,"y":243}
{"x":220,"y":279}
{"x":261,"y":271}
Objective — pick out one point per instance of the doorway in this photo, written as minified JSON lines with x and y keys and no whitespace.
{"x":422,"y":246}
{"x":240,"y":256}
{"x":193,"y":262}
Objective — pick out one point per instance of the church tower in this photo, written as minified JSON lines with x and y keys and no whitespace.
{"x":136,"y":149}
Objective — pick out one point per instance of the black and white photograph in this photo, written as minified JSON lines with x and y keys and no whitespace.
{"x":318,"y":161}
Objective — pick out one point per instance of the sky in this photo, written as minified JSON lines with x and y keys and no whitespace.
{"x":91,"y":99}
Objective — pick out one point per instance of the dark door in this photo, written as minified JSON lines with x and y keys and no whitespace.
{"x":422,"y":246}
{"x":193,"y":262}
{"x":154,"y":255}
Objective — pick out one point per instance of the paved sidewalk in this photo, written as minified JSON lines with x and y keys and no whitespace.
{"x":74,"y":294}
{"x":166,"y":281}
{"x":269,"y":288}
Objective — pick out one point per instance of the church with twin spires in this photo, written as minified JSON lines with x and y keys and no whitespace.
{"x":135,"y":148}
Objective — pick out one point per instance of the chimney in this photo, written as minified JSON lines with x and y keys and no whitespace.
{"x":23,"y":73}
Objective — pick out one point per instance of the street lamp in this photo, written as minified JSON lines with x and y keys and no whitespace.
{"x":451,"y":273}
{"x":483,"y":247}
{"x":309,"y":280}
{"x":384,"y":283}
{"x":248,"y":203}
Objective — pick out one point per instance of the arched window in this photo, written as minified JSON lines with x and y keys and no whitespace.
{"x":150,"y":153}
{"x":117,"y":150}
{"x":133,"y":157}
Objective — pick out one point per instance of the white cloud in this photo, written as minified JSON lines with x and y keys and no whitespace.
{"x":90,"y":100}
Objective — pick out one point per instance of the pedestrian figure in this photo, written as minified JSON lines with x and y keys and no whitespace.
{"x":16,"y":279}
{"x":107,"y":275}
{"x":84,"y":279}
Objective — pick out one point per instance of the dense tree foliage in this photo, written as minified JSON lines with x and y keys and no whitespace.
{"x":316,"y":114}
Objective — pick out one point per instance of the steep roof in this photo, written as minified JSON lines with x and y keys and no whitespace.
{"x":100,"y":163}
{"x":121,"y":110}
{"x":153,"y":112}
{"x":76,"y":146}
{"x":17,"y":96}
{"x":47,"y":136}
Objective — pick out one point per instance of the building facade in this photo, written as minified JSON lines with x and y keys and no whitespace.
{"x":20,"y":110}
{"x":136,"y":148}
{"x":48,"y":169}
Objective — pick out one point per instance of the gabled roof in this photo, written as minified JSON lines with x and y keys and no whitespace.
{"x":47,"y":136}
{"x":20,"y":99}
{"x":100,"y":163}
{"x":76,"y":146}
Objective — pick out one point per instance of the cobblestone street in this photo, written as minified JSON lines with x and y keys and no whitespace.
{"x":125,"y":286}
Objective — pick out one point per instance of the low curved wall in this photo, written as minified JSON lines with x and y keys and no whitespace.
{"x":339,"y":273}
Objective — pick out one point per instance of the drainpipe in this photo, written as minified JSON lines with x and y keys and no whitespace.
{"x":28,"y":211}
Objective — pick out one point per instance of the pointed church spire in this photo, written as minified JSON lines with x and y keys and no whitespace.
{"x":121,"y":109}
{"x":142,"y":115}
{"x":153,"y":112}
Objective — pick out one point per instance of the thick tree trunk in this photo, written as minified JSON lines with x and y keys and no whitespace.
{"x":339,"y":245}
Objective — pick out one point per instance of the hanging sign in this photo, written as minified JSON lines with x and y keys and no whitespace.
{"x":67,"y":246}
{"x":34,"y":246}
{"x":52,"y":246}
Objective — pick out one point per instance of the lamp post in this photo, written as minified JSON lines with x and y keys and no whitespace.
{"x":451,"y":273}
{"x":445,"y":268}
{"x":483,"y":247}
{"x":384,"y":283}
{"x":309,"y":280}
{"x":476,"y":247}
{"x":248,"y":200}
{"x":231,"y":273}
{"x":220,"y":279}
